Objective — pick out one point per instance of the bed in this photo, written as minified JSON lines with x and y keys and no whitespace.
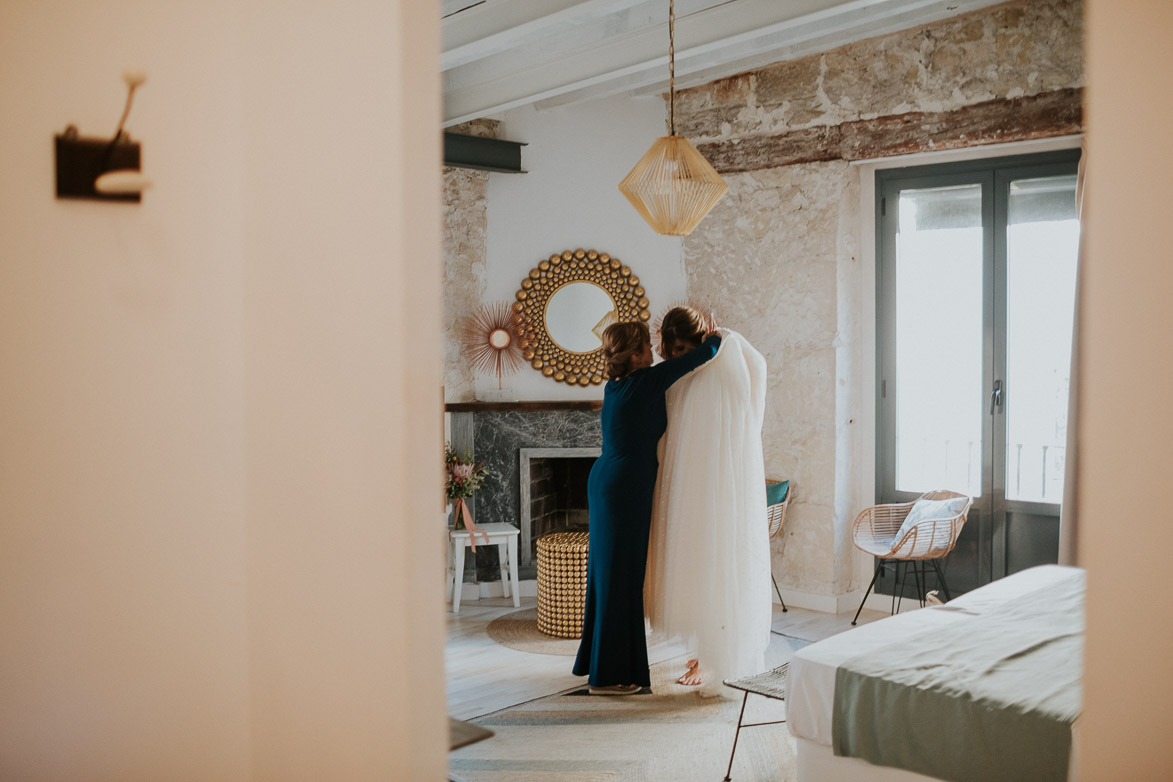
{"x":984,"y":687}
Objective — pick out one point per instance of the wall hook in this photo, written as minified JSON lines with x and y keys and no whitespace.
{"x":102,"y":169}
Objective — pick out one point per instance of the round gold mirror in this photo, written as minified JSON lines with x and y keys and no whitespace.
{"x":566,"y":302}
{"x":573,"y":312}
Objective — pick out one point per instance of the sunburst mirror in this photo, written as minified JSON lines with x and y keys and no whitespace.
{"x":491,"y":339}
{"x":565,"y":303}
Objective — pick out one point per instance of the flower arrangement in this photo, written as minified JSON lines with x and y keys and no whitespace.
{"x":463,"y":478}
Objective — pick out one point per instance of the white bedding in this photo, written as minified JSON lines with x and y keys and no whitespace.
{"x":810,"y":687}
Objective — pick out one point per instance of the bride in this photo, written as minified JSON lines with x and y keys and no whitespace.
{"x":708,"y":573}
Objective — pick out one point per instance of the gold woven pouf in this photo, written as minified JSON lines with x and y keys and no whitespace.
{"x":562,"y":580}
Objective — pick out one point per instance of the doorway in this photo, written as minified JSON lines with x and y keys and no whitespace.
{"x":975,"y":288}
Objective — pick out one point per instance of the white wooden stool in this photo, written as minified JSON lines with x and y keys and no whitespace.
{"x":504,"y":536}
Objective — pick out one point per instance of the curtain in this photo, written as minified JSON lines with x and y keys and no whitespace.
{"x":1069,"y":510}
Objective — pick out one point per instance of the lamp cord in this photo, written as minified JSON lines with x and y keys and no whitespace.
{"x":672,"y":65}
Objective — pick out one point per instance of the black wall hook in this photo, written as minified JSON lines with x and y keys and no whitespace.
{"x":80,"y":161}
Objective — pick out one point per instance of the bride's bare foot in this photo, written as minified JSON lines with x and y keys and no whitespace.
{"x":694,"y":676}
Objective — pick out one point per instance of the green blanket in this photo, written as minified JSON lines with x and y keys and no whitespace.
{"x":989,"y":697}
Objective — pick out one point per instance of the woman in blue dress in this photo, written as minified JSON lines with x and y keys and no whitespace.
{"x":613,"y":651}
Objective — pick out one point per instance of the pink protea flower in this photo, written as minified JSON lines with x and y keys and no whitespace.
{"x":463,"y":476}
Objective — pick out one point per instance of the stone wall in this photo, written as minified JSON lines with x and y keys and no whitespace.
{"x":1021,"y":49}
{"x":779,"y":256}
{"x":771,"y":256}
{"x":465,"y":226}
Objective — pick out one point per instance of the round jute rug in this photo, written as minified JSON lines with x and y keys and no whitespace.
{"x":519,"y":630}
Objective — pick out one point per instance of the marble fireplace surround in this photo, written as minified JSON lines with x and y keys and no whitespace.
{"x":497,"y":433}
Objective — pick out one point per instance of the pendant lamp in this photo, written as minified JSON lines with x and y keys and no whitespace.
{"x":672,"y":186}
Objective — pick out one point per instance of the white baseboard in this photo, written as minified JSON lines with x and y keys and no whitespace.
{"x":828,"y":604}
{"x":848,"y":603}
{"x":842,"y":604}
{"x":884,"y":603}
{"x":795,"y":599}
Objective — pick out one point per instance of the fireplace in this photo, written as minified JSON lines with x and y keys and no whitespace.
{"x":498,"y":433}
{"x":553,"y":495}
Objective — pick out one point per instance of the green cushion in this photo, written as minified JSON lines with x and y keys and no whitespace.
{"x":776,"y":492}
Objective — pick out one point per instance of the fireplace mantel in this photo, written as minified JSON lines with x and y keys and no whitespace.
{"x":507,"y":407}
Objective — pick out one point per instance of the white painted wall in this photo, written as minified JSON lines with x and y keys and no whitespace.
{"x":123,"y":531}
{"x":343,"y":391}
{"x":576,"y":157}
{"x":1126,"y":417}
{"x":211,"y":470}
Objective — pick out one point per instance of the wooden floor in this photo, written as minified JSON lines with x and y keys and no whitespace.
{"x":484,"y":676}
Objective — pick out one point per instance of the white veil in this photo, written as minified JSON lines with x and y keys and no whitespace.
{"x":708,"y":577}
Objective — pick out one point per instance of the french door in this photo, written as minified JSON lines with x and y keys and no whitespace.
{"x":976,"y":266}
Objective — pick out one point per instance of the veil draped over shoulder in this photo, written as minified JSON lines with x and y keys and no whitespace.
{"x":708,"y":577}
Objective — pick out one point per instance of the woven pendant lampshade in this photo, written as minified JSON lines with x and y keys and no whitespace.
{"x":672,"y":186}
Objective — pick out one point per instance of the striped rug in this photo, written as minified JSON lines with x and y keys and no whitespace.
{"x":666,"y":734}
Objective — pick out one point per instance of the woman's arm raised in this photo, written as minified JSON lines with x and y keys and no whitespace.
{"x":668,"y":372}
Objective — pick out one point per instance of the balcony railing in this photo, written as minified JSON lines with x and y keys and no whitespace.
{"x":1034,"y":471}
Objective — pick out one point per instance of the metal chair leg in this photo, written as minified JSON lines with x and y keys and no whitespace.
{"x":941,"y":578}
{"x":779,"y":591}
{"x":917,"y":568}
{"x":740,"y":717}
{"x":875,"y":575}
{"x":898,"y":592}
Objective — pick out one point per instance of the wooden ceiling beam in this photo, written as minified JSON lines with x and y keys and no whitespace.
{"x":625,"y":50}
{"x":495,"y":28}
{"x":1047,"y":115}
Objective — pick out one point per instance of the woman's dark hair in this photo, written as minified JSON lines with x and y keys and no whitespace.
{"x":684,"y":324}
{"x":621,"y":341}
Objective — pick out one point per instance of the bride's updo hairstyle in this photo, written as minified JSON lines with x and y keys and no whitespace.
{"x":621,"y":343}
{"x":681,"y":323}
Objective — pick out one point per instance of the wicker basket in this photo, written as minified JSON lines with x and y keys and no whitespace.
{"x":562,"y":580}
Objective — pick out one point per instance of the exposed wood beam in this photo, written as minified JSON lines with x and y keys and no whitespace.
{"x":778,"y":44}
{"x":1057,"y":113}
{"x":627,"y":51}
{"x":538,"y":19}
{"x":629,"y":35}
{"x":757,"y":48}
{"x":593,"y":53}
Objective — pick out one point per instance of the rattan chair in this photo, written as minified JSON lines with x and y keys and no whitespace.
{"x":930,"y":540}
{"x":775,"y":516}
